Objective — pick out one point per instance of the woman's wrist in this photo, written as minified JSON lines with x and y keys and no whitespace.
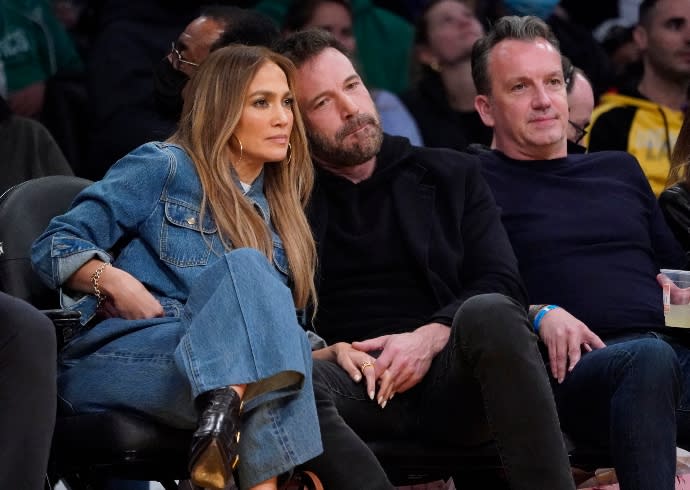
{"x":96,"y":283}
{"x":329,"y":353}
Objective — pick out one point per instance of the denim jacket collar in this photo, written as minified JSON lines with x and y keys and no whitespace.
{"x":256,"y":195}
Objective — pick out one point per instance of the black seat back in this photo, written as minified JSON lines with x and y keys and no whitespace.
{"x":25,"y":210}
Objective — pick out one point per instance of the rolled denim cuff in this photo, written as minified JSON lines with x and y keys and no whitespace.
{"x":68,"y":265}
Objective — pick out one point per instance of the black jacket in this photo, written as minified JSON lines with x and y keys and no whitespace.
{"x":675,"y":205}
{"x":450,"y":221}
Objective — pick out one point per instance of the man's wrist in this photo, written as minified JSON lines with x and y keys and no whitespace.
{"x":532,"y":312}
{"x":437,"y":332}
{"x":543,"y":310}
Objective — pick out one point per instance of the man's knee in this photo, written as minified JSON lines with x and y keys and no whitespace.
{"x":25,"y":332}
{"x":493,"y":318}
{"x":331,"y":381}
{"x":651,"y":361}
{"x":323,"y":375}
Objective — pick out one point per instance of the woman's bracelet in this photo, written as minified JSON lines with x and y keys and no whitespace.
{"x":95,"y":277}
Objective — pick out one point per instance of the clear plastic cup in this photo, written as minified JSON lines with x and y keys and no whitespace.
{"x":676,"y":296}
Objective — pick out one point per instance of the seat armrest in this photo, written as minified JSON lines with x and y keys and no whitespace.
{"x":66,"y":324}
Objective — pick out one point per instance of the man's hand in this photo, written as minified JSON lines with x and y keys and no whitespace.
{"x":565,"y":336}
{"x":356,"y":363}
{"x":678,"y":296}
{"x":127,"y":297}
{"x":405,"y":358}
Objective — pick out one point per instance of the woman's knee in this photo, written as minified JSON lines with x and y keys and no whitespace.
{"x":247,"y":260}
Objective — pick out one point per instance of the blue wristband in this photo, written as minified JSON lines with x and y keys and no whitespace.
{"x":540,"y":315}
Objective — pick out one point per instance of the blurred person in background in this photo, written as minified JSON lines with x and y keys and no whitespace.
{"x":28,"y":150}
{"x":153,"y":70}
{"x":580,"y":105}
{"x":442,"y":99}
{"x":34,"y":47}
{"x":623,"y":52}
{"x":384,"y":40}
{"x":645,"y":120}
{"x":216,"y":26}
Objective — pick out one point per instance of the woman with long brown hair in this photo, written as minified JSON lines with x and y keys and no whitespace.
{"x":187,"y":262}
{"x":675,"y":199}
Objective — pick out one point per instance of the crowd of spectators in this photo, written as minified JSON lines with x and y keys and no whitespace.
{"x":86,"y":68}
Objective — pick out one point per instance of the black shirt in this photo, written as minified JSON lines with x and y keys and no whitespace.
{"x":367,"y":271}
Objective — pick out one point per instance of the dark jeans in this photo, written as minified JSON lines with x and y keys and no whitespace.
{"x":624,"y":397}
{"x":487,"y":385}
{"x":27,"y":394}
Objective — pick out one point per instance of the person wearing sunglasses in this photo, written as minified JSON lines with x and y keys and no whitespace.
{"x":216,"y":26}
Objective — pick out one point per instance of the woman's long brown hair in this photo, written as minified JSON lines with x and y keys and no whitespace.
{"x":680,"y":156}
{"x":215,"y":99}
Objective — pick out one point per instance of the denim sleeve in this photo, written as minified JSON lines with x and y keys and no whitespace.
{"x":102,"y":214}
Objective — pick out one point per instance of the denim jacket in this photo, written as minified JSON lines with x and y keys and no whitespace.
{"x":144,"y":217}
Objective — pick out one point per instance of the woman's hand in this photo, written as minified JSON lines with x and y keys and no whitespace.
{"x":126,"y":296}
{"x":356,"y":363}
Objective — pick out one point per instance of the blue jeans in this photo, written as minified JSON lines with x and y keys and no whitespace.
{"x":679,"y":340}
{"x":238,"y":326}
{"x":488,"y":385}
{"x":624,"y":397}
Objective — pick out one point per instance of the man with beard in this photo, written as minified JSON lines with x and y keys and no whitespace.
{"x":419,"y":295}
{"x":645,"y":119}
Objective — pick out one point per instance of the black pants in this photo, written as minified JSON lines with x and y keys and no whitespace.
{"x":27,"y":394}
{"x":487,"y":385}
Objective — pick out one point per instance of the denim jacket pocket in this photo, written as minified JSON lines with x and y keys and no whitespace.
{"x":184,"y":241}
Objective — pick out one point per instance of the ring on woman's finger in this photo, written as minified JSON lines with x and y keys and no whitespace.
{"x":366,"y":364}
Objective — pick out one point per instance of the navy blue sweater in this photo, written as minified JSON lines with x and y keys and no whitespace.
{"x":588,"y":235}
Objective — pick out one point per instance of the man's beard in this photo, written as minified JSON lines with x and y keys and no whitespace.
{"x":337,"y":154}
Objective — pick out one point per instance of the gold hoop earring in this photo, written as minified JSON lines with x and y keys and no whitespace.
{"x":435,"y":66}
{"x":241,"y":150}
{"x":289,"y":155}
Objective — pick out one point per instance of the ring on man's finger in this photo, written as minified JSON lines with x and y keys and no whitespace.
{"x":366,"y":364}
